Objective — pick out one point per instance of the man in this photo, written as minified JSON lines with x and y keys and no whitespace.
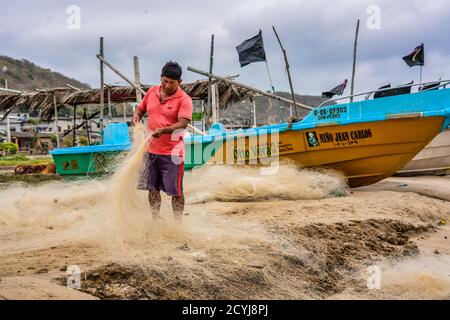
{"x":169,"y":111}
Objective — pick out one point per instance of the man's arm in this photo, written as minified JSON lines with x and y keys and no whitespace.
{"x":141,"y":110}
{"x":181,"y":124}
{"x":138,"y":115}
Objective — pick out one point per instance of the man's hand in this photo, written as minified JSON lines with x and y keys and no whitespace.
{"x":181,"y":124}
{"x":136,"y":119}
{"x":158,"y":133}
{"x":137,"y":116}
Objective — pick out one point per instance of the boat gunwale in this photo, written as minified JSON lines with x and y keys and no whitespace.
{"x":309,"y":123}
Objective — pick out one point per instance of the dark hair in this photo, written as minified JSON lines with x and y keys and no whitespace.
{"x":172,"y":70}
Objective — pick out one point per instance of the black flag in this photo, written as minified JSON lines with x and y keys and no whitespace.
{"x":336,"y":91}
{"x":251,"y":50}
{"x":417,"y":57}
{"x":387,"y":91}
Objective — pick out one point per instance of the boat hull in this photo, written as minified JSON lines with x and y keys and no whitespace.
{"x":85,"y":164}
{"x":364,"y":152}
{"x":366,"y":141}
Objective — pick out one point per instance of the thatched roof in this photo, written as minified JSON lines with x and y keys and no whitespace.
{"x":43,"y":101}
{"x":8,"y":102}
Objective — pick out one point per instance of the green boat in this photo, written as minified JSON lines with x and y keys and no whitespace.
{"x":200,"y":149}
{"x":101,"y":159}
{"x":93,"y":160}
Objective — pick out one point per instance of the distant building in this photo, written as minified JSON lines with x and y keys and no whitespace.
{"x":29,"y":143}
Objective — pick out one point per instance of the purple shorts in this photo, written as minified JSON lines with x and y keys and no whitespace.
{"x":161,"y":173}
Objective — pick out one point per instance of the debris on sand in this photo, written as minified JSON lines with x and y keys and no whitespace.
{"x":322,"y":260}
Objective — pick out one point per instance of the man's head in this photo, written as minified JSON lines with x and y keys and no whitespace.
{"x":171,"y":77}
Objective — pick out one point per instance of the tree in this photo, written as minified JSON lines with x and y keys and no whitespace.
{"x":54,"y":139}
{"x":67,"y":141}
{"x":34,"y":121}
{"x":83,"y":141}
{"x":9,"y":148}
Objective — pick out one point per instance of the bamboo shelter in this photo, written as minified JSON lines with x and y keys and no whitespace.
{"x":45,"y":101}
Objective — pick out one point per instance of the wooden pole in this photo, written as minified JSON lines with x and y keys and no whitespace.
{"x":8,"y":129}
{"x":102,"y":83}
{"x":9,"y":90}
{"x":204,"y":116}
{"x":109,"y":105}
{"x":74,"y":143}
{"x":355,"y":47}
{"x":56,"y":122}
{"x":86,"y":121}
{"x":214,"y":107}
{"x":137,"y":79}
{"x":211,"y":64}
{"x":421,"y":73}
{"x":254,"y":114}
{"x":288,"y":71}
{"x":120,"y":74}
{"x":72,"y":87}
{"x":249,"y":88}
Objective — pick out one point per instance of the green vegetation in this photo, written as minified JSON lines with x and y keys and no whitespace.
{"x":23,"y":160}
{"x":83,"y":141}
{"x":54,"y":139}
{"x":67,"y":141}
{"x":24,"y":75}
{"x":9,"y":148}
{"x":34,"y":121}
{"x":197,"y":116}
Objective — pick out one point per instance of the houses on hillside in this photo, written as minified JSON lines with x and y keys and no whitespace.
{"x":34,"y":137}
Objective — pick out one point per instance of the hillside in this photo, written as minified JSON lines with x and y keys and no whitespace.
{"x":24,"y":75}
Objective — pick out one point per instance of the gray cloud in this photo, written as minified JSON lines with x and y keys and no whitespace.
{"x":318,"y":36}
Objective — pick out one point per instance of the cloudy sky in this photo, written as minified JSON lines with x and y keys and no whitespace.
{"x":318,"y":36}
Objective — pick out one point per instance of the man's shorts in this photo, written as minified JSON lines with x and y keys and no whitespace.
{"x":161,"y":173}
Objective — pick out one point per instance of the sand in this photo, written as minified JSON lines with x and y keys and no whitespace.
{"x":300,"y":234}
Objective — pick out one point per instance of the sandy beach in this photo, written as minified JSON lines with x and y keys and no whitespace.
{"x":298,"y":235}
{"x":301,"y":150}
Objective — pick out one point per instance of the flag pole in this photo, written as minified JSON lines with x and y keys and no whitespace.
{"x":273,"y":89}
{"x":354,"y":61}
{"x":288,"y":71}
{"x":423,"y":62}
{"x":421,"y":70}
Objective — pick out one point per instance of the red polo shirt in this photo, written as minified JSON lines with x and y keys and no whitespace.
{"x":164,"y":114}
